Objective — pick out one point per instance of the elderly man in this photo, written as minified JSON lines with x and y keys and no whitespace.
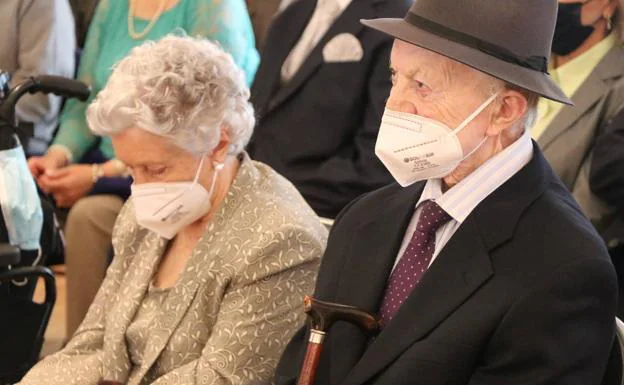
{"x":486,"y":272}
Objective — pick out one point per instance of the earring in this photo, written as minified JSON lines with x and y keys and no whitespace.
{"x":609,"y":23}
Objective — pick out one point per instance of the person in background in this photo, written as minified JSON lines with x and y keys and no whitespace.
{"x":319,"y":94}
{"x":83,"y":14}
{"x":37,"y":39}
{"x":606,"y":180}
{"x":587,"y":57}
{"x":80,"y":170}
{"x":261,"y":13}
{"x":213,"y":251}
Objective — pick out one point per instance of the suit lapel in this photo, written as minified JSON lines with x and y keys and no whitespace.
{"x":588,"y":94}
{"x":174,"y":309}
{"x":290,"y":24}
{"x":347,"y":22}
{"x":460,"y":269}
{"x":116,"y":362}
{"x":372,"y":253}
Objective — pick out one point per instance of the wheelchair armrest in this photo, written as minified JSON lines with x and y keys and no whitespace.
{"x":9,"y":255}
{"x":34,"y":272}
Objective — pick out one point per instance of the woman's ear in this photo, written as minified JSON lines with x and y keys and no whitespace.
{"x":511,"y":107}
{"x":611,"y":9}
{"x":220,"y":153}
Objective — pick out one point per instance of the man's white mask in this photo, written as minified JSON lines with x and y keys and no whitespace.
{"x":415,"y":148}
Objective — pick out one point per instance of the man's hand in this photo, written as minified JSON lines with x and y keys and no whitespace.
{"x":67,"y":184}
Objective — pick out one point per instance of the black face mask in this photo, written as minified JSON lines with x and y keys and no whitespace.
{"x":570,"y":33}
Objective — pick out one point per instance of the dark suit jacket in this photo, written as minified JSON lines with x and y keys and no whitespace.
{"x":607,"y":166}
{"x":606,"y":180}
{"x":523,"y":293}
{"x":319,"y":129}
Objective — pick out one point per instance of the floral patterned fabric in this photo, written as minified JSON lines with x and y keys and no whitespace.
{"x":232,"y":311}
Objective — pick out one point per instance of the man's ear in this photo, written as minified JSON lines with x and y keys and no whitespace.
{"x":510,"y":108}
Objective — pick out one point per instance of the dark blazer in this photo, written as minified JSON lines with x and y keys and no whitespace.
{"x":606,"y":180}
{"x":319,"y":129}
{"x":607,"y":166}
{"x":523,"y":293}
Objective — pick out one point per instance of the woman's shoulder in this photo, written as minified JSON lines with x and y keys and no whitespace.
{"x":266,"y":202}
{"x":273,"y":192}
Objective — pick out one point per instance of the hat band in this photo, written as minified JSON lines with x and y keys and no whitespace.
{"x":536,"y":63}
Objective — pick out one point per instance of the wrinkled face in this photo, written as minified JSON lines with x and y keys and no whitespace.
{"x":152,"y":158}
{"x":594,"y":10}
{"x":430,"y":85}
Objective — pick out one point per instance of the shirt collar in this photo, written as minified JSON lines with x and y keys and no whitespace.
{"x":342,"y":4}
{"x":464,"y":197}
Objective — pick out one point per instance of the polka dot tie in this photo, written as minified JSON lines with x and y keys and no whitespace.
{"x":415,"y":260}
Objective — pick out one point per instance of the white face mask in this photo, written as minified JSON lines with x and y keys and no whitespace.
{"x":415,"y":148}
{"x":166,"y":208}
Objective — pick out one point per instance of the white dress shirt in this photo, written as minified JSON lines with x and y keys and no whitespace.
{"x":461,"y":199}
{"x":326,"y":12}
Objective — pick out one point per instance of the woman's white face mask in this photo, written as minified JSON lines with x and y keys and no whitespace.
{"x":415,"y":148}
{"x":167,"y":207}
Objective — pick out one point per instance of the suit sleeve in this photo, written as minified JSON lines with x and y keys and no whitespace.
{"x":607,"y":167}
{"x":356,"y":170}
{"x":80,"y":362}
{"x":560,"y":333}
{"x":256,"y":319}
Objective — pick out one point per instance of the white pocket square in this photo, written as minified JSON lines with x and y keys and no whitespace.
{"x":343,"y":48}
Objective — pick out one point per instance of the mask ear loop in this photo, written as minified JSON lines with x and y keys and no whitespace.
{"x":474,"y":114}
{"x":217,"y":167}
{"x":195,"y":180}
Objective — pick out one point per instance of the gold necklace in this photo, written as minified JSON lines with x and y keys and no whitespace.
{"x":140,"y":35}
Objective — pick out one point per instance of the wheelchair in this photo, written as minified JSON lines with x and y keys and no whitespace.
{"x":23,"y":321}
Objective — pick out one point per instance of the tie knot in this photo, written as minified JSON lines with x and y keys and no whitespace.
{"x":432,"y":217}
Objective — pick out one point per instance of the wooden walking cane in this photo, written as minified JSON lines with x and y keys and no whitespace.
{"x":322,"y":316}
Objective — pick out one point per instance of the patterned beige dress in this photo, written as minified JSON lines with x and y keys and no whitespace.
{"x":232,"y":311}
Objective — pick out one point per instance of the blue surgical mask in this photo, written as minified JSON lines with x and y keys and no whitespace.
{"x":20,"y":203}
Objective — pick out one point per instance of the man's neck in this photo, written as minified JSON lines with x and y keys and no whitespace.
{"x":488,"y":150}
{"x":599,"y":34}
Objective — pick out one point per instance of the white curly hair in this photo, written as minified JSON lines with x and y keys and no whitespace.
{"x":182,"y":88}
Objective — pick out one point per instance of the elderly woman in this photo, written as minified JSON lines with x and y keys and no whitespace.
{"x":213,"y":251}
{"x":80,"y":170}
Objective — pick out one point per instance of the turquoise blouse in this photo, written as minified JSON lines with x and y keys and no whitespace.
{"x":108,"y":41}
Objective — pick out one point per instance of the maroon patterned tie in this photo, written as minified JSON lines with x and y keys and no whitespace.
{"x":415,"y":260}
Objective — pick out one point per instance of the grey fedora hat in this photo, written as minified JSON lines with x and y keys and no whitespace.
{"x":508,"y":39}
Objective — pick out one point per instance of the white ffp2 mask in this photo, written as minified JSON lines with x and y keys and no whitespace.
{"x":166,"y":208}
{"x":415,"y":148}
